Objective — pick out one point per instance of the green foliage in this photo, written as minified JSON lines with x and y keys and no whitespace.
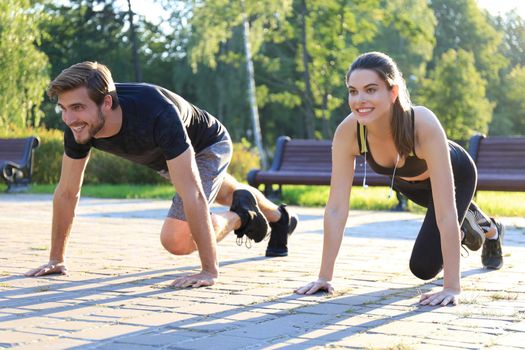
{"x":23,"y":69}
{"x":462,"y":25}
{"x":509,"y":117}
{"x":455,"y":92}
{"x":105,"y":168}
{"x":407,"y":36}
{"x":372,"y":198}
{"x":48,"y":156}
{"x":244,"y":159}
{"x":513,"y":44}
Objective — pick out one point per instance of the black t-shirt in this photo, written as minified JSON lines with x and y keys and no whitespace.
{"x":157,"y":125}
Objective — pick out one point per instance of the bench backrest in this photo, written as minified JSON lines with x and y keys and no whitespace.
{"x":14,"y":150}
{"x":316,"y":156}
{"x":501,"y":154}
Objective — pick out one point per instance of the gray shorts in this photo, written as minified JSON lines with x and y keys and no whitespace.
{"x":212,"y":163}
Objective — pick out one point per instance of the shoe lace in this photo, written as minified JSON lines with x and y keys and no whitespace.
{"x":247,"y":242}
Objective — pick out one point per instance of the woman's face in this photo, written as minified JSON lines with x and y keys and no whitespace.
{"x":369,"y":97}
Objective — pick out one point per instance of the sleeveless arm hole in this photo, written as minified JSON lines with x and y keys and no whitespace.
{"x":361,"y":139}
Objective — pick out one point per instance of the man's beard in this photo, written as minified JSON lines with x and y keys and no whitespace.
{"x":93,"y":129}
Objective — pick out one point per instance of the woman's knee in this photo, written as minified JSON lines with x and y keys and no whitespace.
{"x":424,"y":271}
{"x":176,"y":238}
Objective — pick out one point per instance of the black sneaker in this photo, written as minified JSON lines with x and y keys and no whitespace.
{"x":473,"y":234}
{"x":491,"y":255}
{"x":277,"y":246}
{"x":253,"y":223}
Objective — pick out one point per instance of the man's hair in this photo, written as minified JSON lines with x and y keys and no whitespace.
{"x":95,"y":76}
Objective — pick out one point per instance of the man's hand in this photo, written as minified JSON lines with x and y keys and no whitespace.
{"x":52,"y":267}
{"x":314,"y":287}
{"x":202,"y":279}
{"x":443,"y":298}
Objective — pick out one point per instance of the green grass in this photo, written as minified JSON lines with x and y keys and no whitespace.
{"x":372,"y":198}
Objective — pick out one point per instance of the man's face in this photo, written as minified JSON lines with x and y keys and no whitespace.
{"x":81,"y":114}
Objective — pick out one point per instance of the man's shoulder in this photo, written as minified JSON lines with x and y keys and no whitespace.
{"x":138,"y":90}
{"x":141,"y":99}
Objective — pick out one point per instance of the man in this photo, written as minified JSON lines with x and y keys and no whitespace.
{"x":153,"y":126}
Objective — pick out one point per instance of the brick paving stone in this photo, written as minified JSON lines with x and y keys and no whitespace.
{"x":118,"y":293}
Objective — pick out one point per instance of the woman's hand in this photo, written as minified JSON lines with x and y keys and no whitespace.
{"x":314,"y":287}
{"x":443,"y":298}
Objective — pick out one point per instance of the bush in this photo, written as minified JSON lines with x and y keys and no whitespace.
{"x":106,"y":168}
{"x":244,"y":159}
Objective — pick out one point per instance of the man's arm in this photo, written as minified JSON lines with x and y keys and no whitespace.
{"x":65,"y":201}
{"x":185,"y":178}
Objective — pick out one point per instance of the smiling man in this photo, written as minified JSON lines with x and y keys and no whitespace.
{"x":155,"y":127}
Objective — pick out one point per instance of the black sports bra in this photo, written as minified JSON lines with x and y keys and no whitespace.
{"x":413,"y":166}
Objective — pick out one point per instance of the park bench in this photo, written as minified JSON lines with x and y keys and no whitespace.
{"x":500,"y":161}
{"x":16,"y":162}
{"x":309,"y":162}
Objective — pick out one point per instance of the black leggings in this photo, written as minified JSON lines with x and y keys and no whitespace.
{"x":427,"y":260}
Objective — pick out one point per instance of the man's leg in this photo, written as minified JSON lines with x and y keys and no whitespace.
{"x":176,"y":237}
{"x":212,"y":163}
{"x":282,"y":222}
{"x":230,"y":184}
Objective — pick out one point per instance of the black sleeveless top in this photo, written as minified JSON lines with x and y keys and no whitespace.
{"x":413,"y":166}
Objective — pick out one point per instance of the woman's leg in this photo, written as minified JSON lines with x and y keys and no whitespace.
{"x":427,"y":259}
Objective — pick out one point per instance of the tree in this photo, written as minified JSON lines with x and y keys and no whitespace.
{"x":407,"y":35}
{"x":513,"y":43}
{"x":463,"y":25}
{"x":214,"y":22}
{"x":23,"y":68}
{"x":455,"y":92}
{"x":96,"y":30}
{"x":509,"y":116}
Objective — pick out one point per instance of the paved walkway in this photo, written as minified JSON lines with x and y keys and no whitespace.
{"x":118,"y":296}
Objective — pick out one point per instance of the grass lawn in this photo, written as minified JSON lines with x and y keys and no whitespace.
{"x":372,"y":198}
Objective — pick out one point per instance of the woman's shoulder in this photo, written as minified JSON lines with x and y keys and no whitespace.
{"x":346,"y":134}
{"x":425,"y":119}
{"x":348,"y":126}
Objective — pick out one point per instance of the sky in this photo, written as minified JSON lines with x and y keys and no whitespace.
{"x":496,"y":7}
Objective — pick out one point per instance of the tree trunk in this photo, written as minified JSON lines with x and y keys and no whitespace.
{"x":308,"y":101}
{"x":251,"y":92}
{"x":134,"y":46}
{"x":327,"y":134}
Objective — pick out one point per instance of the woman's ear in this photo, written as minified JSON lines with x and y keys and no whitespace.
{"x":394,"y":93}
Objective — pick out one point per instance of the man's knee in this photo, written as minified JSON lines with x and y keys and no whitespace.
{"x":175,"y":237}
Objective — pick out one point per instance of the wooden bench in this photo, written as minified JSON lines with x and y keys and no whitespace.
{"x":500,"y":161}
{"x":309,"y":162}
{"x":16,"y":162}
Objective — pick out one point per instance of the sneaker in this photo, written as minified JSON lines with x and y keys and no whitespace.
{"x":491,"y":255}
{"x":253,"y":223}
{"x":280,"y":230}
{"x":473,"y":234}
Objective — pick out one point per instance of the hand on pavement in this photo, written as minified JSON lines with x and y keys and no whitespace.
{"x":444,"y":297}
{"x":201,"y":279}
{"x":314,"y":287}
{"x":52,"y":267}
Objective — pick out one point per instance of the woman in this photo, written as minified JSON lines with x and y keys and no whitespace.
{"x":407,"y":143}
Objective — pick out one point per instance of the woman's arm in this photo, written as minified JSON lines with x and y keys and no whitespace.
{"x":344,"y":148}
{"x":432,"y":145}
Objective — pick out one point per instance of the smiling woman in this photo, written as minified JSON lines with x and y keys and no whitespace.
{"x":408,"y":144}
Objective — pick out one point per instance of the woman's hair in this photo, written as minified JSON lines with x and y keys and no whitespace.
{"x":386,"y":69}
{"x":96,"y":77}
